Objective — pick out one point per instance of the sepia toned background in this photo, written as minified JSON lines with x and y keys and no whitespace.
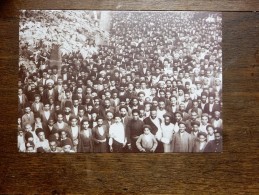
{"x":236,"y":170}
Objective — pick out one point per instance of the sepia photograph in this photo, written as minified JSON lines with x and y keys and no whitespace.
{"x":119,"y":82}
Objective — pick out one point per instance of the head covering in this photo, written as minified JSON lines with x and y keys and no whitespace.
{"x":135,"y":111}
{"x":167,"y":115}
{"x":27,"y":136}
{"x":66,"y":142}
{"x":52,"y":138}
{"x":68,"y":104}
{"x":195,"y":123}
{"x":50,"y":81}
{"x":147,"y":126}
{"x":39,"y":130}
{"x":202,"y":133}
{"x":181,"y":122}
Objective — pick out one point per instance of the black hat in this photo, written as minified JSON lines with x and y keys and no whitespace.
{"x":46,"y":102}
{"x":195,"y":123}
{"x":28,"y":135}
{"x":66,"y":142}
{"x":74,"y":97}
{"x":39,"y":130}
{"x":167,"y":115}
{"x":68,"y":104}
{"x":99,"y":117}
{"x":122,"y":99}
{"x":135,"y":111}
{"x":72,"y":117}
{"x":117,"y":115}
{"x":147,"y":126}
{"x":182,"y":122}
{"x":208,"y":126}
{"x":124,"y":107}
{"x":52,"y":138}
{"x":40,"y":150}
{"x":26,"y":105}
{"x":202,"y":133}
{"x":54,"y":131}
{"x":153,"y":108}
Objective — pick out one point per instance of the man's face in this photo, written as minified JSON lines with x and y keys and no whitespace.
{"x":153,"y":91}
{"x":27,"y":110}
{"x":135,"y":102}
{"x":60,"y":118}
{"x":186,"y":96}
{"x":135,"y":116}
{"x":217,"y":114}
{"x":60,"y":81}
{"x":123,"y":112}
{"x":41,"y":136}
{"x":182,"y":128}
{"x":143,"y":85}
{"x":141,"y":97}
{"x":79,"y":90}
{"x":107,"y":103}
{"x":195,"y":128}
{"x":28,"y":128}
{"x":203,"y":99}
{"x":204,"y":120}
{"x":211,"y":100}
{"x":19,"y":91}
{"x":131,"y":87}
{"x":202,"y":138}
{"x":109,"y":116}
{"x":81,"y":113}
{"x":153,"y":114}
{"x":50,"y":85}
{"x":210,"y":131}
{"x":63,"y":135}
{"x":146,"y":131}
{"x":217,"y":137}
{"x":167,"y":120}
{"x":180,"y":92}
{"x":85,"y":125}
{"x":75,"y":102}
{"x":195,"y":104}
{"x":161,"y":105}
{"x":96,"y":102}
{"x":73,"y":122}
{"x":178,"y":117}
{"x":53,"y":145}
{"x":46,"y":107}
{"x":193,"y":115}
{"x":51,"y":123}
{"x":173,"y":101}
{"x":37,"y":99}
{"x":100,"y":122}
{"x":181,"y":107}
{"x":67,"y":148}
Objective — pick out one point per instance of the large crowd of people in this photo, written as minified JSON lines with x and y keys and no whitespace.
{"x":155,"y":87}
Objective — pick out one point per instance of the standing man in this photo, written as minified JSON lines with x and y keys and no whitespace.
{"x":155,"y":123}
{"x":135,"y":129}
{"x":118,"y":135}
{"x":100,"y":136}
{"x":182,"y":141}
{"x":215,"y":145}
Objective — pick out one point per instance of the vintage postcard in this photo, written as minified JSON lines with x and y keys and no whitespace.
{"x":120,"y":81}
